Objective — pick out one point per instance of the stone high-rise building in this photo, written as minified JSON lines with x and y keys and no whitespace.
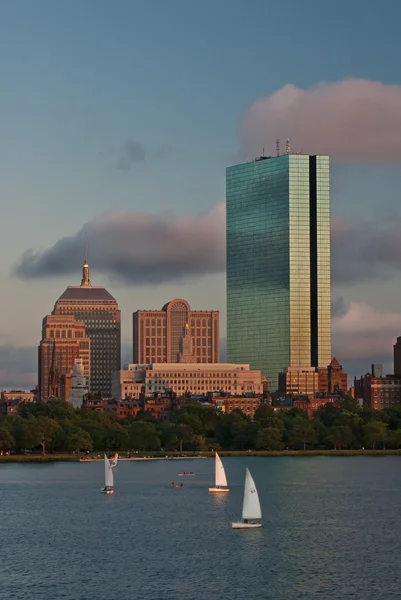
{"x":397,"y":357}
{"x":278,"y":263}
{"x":157,"y":334}
{"x":63,"y":341}
{"x":96,"y":307}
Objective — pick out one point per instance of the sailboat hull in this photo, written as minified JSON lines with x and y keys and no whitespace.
{"x":107,"y":491}
{"x":216,"y":490}
{"x":246,"y":525}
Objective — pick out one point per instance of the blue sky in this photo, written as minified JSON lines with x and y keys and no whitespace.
{"x":81,"y":80}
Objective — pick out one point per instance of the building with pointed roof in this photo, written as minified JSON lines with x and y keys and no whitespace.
{"x":99,"y":311}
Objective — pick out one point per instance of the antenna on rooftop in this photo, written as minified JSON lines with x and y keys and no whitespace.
{"x":288,"y":146}
{"x":278,"y":146}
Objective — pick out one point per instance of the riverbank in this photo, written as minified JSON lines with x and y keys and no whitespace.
{"x":38,"y":458}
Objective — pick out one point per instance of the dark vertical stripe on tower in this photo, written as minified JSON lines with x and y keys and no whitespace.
{"x":313,"y":260}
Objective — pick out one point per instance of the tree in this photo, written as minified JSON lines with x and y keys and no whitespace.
{"x":143,"y":436}
{"x":340,"y":436}
{"x":79,"y":440}
{"x":46,"y":429}
{"x":6,"y":439}
{"x":27,"y":436}
{"x":269,"y":438}
{"x":374,"y":433}
{"x":394,"y":438}
{"x":184,"y":434}
{"x":303,"y":432}
{"x":263,"y":415}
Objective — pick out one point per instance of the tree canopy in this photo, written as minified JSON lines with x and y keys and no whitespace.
{"x":56,"y":426}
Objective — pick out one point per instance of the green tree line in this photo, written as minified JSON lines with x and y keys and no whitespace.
{"x":57,"y":427}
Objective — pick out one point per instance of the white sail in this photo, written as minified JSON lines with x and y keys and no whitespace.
{"x":220,"y":474}
{"x":251,"y":506}
{"x":108,"y":475}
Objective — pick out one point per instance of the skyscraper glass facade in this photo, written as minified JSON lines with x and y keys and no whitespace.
{"x":278,"y":263}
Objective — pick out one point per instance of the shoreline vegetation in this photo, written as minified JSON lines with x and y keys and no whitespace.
{"x":55,"y":431}
{"x":48,"y":458}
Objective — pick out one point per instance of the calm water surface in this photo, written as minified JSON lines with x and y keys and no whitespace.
{"x":331,"y":530}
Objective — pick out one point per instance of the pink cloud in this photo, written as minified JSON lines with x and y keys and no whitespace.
{"x":363,"y":333}
{"x":353,"y":120}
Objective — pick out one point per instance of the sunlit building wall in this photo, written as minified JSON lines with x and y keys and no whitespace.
{"x":278,"y":263}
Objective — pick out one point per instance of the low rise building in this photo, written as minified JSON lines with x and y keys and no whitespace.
{"x":296,"y":380}
{"x":20,"y":395}
{"x":247,"y":404}
{"x":309,"y":404}
{"x":186,"y":378}
{"x":9,"y":407}
{"x":312,"y":380}
{"x":378,"y":392}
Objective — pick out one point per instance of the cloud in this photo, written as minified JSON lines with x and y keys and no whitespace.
{"x":364,"y":333}
{"x":130,"y":153}
{"x":355,"y":120}
{"x":18,"y":366}
{"x":137,"y":248}
{"x":365,"y":250}
{"x":338,"y":307}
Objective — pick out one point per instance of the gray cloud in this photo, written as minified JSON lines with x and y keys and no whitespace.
{"x":338,"y":307}
{"x":130,"y":153}
{"x":18,"y":366}
{"x":365,"y":250}
{"x":136,"y":248}
{"x":354,"y":120}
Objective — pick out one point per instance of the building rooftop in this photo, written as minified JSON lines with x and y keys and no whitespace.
{"x":91,"y":294}
{"x":188,"y":367}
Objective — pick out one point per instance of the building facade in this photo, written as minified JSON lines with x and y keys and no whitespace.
{"x":63,"y":340}
{"x":378,"y":392}
{"x":181,"y":378}
{"x":98,"y":310}
{"x":78,"y":388}
{"x":397,"y":357}
{"x":299,"y":381}
{"x":157,"y":334}
{"x":278,"y":263}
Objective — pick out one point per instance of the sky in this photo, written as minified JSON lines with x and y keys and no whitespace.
{"x":118,"y":119}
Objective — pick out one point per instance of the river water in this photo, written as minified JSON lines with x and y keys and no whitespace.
{"x":331,"y":530}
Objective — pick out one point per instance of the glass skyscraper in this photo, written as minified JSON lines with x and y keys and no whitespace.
{"x":278,"y":263}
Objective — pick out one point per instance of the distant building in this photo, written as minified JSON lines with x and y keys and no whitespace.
{"x":378,"y":392}
{"x":20,"y":395}
{"x":337,"y":378}
{"x":9,"y":407}
{"x":98,"y":310}
{"x":157,"y":334}
{"x":278,"y":263}
{"x":377,"y":370}
{"x":299,"y":381}
{"x":247,"y":404}
{"x":159,"y":408}
{"x":63,"y":340}
{"x":309,"y":404}
{"x":397,"y":357}
{"x":181,"y":378}
{"x":311,"y":381}
{"x":79,"y":388}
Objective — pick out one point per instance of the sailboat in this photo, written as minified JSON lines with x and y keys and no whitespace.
{"x":251,"y":505}
{"x":108,"y":477}
{"x":220,"y":478}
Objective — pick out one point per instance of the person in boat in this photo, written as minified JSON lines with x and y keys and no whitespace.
{"x":172,"y":484}
{"x":181,"y":484}
{"x":245,"y":520}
